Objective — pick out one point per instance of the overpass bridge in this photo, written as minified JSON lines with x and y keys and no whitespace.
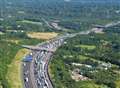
{"x":107,"y":25}
{"x":37,"y":48}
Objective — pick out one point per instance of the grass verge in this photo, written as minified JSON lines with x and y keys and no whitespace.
{"x":117,"y":84}
{"x":89,"y":47}
{"x":14,"y":70}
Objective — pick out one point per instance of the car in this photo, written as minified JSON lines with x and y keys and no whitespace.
{"x":26,"y":79}
{"x":24,"y":64}
{"x":26,"y":72}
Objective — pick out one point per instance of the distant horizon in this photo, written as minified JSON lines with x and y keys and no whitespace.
{"x":80,"y":1}
{"x":93,"y":1}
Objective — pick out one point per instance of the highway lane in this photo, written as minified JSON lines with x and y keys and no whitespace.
{"x":26,"y":75}
{"x":41,"y":65}
{"x":36,"y":72}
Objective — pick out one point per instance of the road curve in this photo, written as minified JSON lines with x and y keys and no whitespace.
{"x":35,"y":72}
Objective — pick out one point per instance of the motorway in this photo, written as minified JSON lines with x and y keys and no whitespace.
{"x":35,"y":72}
{"x":26,"y":75}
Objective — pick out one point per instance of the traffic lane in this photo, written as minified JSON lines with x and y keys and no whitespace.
{"x":46,"y":78}
{"x":46,"y":73}
{"x":32,"y":76}
{"x":38,"y":75}
{"x":41,"y":74}
{"x":26,"y":75}
{"x":27,"y":66}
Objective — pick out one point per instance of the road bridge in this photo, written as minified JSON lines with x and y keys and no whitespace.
{"x":37,"y":48}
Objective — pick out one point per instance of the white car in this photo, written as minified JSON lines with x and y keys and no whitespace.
{"x":26,"y":79}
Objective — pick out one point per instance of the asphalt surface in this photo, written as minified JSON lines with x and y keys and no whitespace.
{"x":26,"y":75}
{"x":35,"y":72}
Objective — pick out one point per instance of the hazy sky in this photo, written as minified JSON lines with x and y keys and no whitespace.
{"x":94,"y":0}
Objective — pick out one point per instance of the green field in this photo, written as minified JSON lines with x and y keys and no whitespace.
{"x":14,"y":70}
{"x":90,"y":84}
{"x":117,"y":84}
{"x":30,"y":22}
{"x":89,"y":47}
{"x":7,"y":53}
